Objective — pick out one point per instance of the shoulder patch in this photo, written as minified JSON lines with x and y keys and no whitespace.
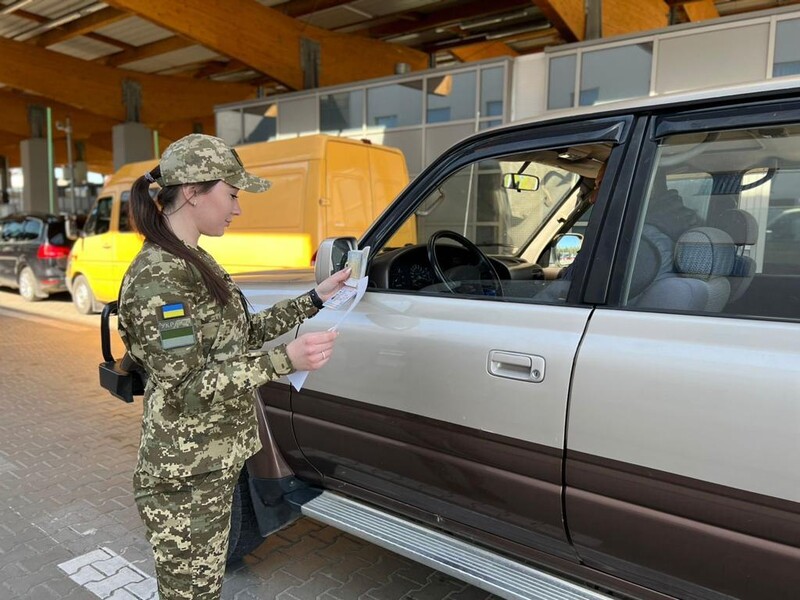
{"x":176,"y":333}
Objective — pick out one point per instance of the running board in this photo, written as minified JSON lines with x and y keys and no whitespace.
{"x":481,"y":568}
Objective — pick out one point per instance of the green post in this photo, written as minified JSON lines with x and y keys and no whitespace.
{"x":156,"y":153}
{"x":50,"y":165}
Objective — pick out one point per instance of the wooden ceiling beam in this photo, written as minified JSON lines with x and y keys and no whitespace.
{"x":80,"y":26}
{"x":98,"y":89}
{"x":405,"y":23}
{"x":135,"y":53}
{"x":482,"y":51}
{"x":15,"y":115}
{"x":270,"y":42}
{"x":619,"y":16}
{"x":701,"y":10}
{"x":568,"y":16}
{"x":300,"y":8}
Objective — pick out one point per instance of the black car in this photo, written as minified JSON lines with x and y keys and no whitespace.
{"x":33,"y":254}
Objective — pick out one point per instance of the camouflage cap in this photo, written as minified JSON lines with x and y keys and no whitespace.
{"x":197,"y":158}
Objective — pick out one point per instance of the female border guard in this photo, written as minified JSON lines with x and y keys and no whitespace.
{"x":184,"y":320}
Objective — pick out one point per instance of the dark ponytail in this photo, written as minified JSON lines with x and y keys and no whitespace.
{"x":149,"y":220}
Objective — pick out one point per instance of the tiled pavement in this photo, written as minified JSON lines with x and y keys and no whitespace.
{"x":68,"y":525}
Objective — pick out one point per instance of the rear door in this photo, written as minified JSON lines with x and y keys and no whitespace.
{"x":684,"y":420}
{"x":450,"y":399}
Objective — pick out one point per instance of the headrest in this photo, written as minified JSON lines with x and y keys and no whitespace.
{"x":704,"y":252}
{"x":739,"y":224}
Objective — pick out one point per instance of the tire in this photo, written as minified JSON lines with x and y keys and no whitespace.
{"x":28,"y":288}
{"x":82,"y":296}
{"x":244,"y":535}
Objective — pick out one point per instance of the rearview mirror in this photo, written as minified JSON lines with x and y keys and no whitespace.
{"x":520,"y":183}
{"x":331,"y":256}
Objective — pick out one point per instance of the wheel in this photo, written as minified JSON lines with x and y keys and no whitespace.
{"x":82,"y":296}
{"x":482,"y":269}
{"x":28,"y":286}
{"x":244,"y":535}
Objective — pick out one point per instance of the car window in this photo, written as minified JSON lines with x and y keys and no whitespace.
{"x":12,"y":230}
{"x":57,"y":234}
{"x":124,"y":221}
{"x":492,"y":228}
{"x":719,"y":234}
{"x":31,"y":229}
{"x":99,"y":220}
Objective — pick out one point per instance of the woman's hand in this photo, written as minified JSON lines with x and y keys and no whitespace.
{"x":311,"y":350}
{"x":332,"y":284}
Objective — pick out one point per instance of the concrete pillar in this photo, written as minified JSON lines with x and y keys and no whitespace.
{"x":35,"y":182}
{"x":132,"y":142}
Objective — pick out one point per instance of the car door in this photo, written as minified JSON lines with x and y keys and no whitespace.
{"x":448,"y":399}
{"x":97,"y":248}
{"x":9,"y":229}
{"x":684,"y":421}
{"x":125,"y":244}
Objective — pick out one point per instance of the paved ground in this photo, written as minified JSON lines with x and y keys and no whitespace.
{"x":68,"y":525}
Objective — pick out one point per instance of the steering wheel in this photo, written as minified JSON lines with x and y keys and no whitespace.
{"x":481,"y":260}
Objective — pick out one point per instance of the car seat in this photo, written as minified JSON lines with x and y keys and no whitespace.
{"x":743,"y":229}
{"x":692,"y":277}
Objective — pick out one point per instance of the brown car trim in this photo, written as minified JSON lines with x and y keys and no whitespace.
{"x":642,"y":523}
{"x":484,"y":480}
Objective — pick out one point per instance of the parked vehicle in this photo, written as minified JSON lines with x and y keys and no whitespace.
{"x":321,"y":186}
{"x":33,"y":254}
{"x":606,"y":402}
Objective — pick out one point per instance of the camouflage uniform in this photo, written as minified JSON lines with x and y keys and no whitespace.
{"x":203,"y":362}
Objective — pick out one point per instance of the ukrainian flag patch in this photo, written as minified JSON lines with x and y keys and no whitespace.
{"x":172,"y":311}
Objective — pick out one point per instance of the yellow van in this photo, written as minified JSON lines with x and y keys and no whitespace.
{"x":322,"y":186}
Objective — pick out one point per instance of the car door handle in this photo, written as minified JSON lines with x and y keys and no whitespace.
{"x":106,"y":246}
{"x":515,"y":365}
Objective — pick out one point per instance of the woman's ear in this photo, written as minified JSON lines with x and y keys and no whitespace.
{"x":189,"y":192}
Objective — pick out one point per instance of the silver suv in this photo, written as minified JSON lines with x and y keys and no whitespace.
{"x":576,"y":371}
{"x":592,"y":389}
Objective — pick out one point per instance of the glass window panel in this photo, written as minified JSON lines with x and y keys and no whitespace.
{"x":260,"y":122}
{"x":492,"y":92}
{"x":451,"y":97}
{"x":787,"y":51}
{"x":395,"y":105}
{"x":561,"y":83}
{"x":341,"y":112}
{"x":720,"y":231}
{"x":616,"y":73}
{"x":229,"y":126}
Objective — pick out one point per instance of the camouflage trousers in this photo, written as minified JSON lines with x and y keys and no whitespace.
{"x":187,"y":520}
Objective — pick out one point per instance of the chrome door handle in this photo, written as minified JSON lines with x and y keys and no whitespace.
{"x":515,"y":365}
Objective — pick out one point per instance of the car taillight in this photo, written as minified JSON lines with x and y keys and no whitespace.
{"x":51,"y":251}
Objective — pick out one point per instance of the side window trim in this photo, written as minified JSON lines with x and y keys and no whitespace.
{"x":610,"y":129}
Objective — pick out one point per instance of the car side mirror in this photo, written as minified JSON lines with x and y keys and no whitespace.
{"x":331,"y":256}
{"x":566,"y":249}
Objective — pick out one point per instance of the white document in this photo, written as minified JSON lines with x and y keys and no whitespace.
{"x":298,"y":378}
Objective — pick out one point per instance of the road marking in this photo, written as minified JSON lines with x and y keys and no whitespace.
{"x":43,"y":320}
{"x":110,"y":577}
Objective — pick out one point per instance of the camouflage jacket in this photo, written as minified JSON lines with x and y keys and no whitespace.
{"x":203,"y":363}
